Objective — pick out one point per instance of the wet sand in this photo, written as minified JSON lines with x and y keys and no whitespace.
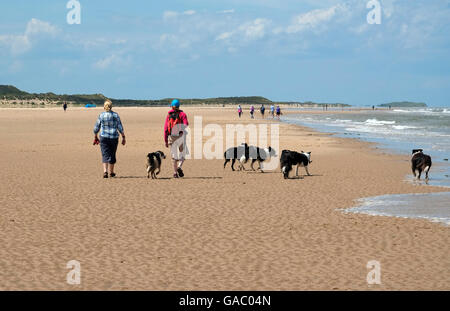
{"x":212,"y":230}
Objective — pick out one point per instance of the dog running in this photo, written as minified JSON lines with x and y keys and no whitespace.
{"x":290,"y":158}
{"x":154,"y":163}
{"x":420,"y":162}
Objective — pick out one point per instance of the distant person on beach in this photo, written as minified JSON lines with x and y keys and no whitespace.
{"x":65,"y":106}
{"x":239,"y":110}
{"x":373,"y":107}
{"x":272,"y":111}
{"x":262,"y":109}
{"x":278,"y":112}
{"x":175,"y":136}
{"x":252,"y":111}
{"x":109,"y":125}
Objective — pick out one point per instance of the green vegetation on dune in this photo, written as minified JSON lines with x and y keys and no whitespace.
{"x":12,"y":93}
{"x":404,"y":104}
{"x":9,"y":90}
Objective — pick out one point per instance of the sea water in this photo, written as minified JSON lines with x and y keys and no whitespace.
{"x":399,"y":130}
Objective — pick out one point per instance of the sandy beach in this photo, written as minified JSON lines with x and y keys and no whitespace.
{"x":212,"y":230}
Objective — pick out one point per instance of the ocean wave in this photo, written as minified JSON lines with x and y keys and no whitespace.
{"x":433,"y":111}
{"x":404,"y":127}
{"x":378,"y":122}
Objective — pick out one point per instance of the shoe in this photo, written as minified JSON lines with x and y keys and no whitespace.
{"x":175,"y":175}
{"x":105,"y":175}
{"x":180,"y":172}
{"x":112,"y":174}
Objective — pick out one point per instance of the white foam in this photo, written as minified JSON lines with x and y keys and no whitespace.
{"x":378,"y":122}
{"x":404,"y":127}
{"x":430,"y":206}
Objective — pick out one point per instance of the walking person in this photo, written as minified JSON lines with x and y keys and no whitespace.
{"x":175,"y":136}
{"x":252,"y":111}
{"x":272,"y":111}
{"x":109,"y":125}
{"x":239,"y":110}
{"x":278,"y":112}
{"x":65,"y":106}
{"x":262,"y":109}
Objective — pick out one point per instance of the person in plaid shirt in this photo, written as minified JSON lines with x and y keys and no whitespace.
{"x":109,"y":126}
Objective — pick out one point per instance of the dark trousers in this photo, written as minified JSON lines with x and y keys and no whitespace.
{"x":108,"y":146}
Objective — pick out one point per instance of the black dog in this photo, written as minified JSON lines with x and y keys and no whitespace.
{"x":154,"y":163}
{"x":420,"y":162}
{"x":233,"y":153}
{"x":290,"y":158}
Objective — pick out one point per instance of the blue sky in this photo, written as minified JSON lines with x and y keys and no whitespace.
{"x":292,"y":50}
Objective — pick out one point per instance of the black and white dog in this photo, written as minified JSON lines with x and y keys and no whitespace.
{"x":420,"y":162}
{"x":154,"y":163}
{"x":236,"y":153}
{"x":290,"y":158}
{"x":244,"y":152}
{"x":258,"y":154}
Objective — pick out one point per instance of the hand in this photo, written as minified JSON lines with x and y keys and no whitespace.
{"x":96,"y":140}
{"x":167,"y":145}
{"x":123,"y":140}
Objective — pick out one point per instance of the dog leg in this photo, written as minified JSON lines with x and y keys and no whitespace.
{"x":286,"y":170}
{"x":307,"y":172}
{"x":296,"y":172}
{"x":426,"y":173}
{"x":225,"y":163}
{"x":242,"y":166}
{"x":251,"y":165}
{"x":148,"y":171}
{"x":232,"y":164}
{"x":418,"y":175}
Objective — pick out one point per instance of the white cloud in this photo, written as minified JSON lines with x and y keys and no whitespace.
{"x":167,"y":15}
{"x":224,"y":35}
{"x":255,"y":29}
{"x":113,"y":60}
{"x":22,"y":43}
{"x":36,"y":26}
{"x":360,"y":29}
{"x":231,"y":11}
{"x":313,"y":19}
{"x":252,"y":30}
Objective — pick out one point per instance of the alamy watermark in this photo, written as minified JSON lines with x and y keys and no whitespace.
{"x":219,"y":139}
{"x":374,"y":275}
{"x":74,"y":275}
{"x":74,"y":15}
{"x":374,"y":15}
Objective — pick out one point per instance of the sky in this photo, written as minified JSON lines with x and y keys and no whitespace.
{"x":291,"y":50}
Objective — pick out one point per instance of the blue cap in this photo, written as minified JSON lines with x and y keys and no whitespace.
{"x":175,"y":103}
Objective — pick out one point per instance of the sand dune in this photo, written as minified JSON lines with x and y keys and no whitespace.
{"x":214,"y":229}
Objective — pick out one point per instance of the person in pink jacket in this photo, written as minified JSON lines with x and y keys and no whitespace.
{"x":175,"y":136}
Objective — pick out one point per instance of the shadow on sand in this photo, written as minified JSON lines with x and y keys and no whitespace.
{"x":165,"y":178}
